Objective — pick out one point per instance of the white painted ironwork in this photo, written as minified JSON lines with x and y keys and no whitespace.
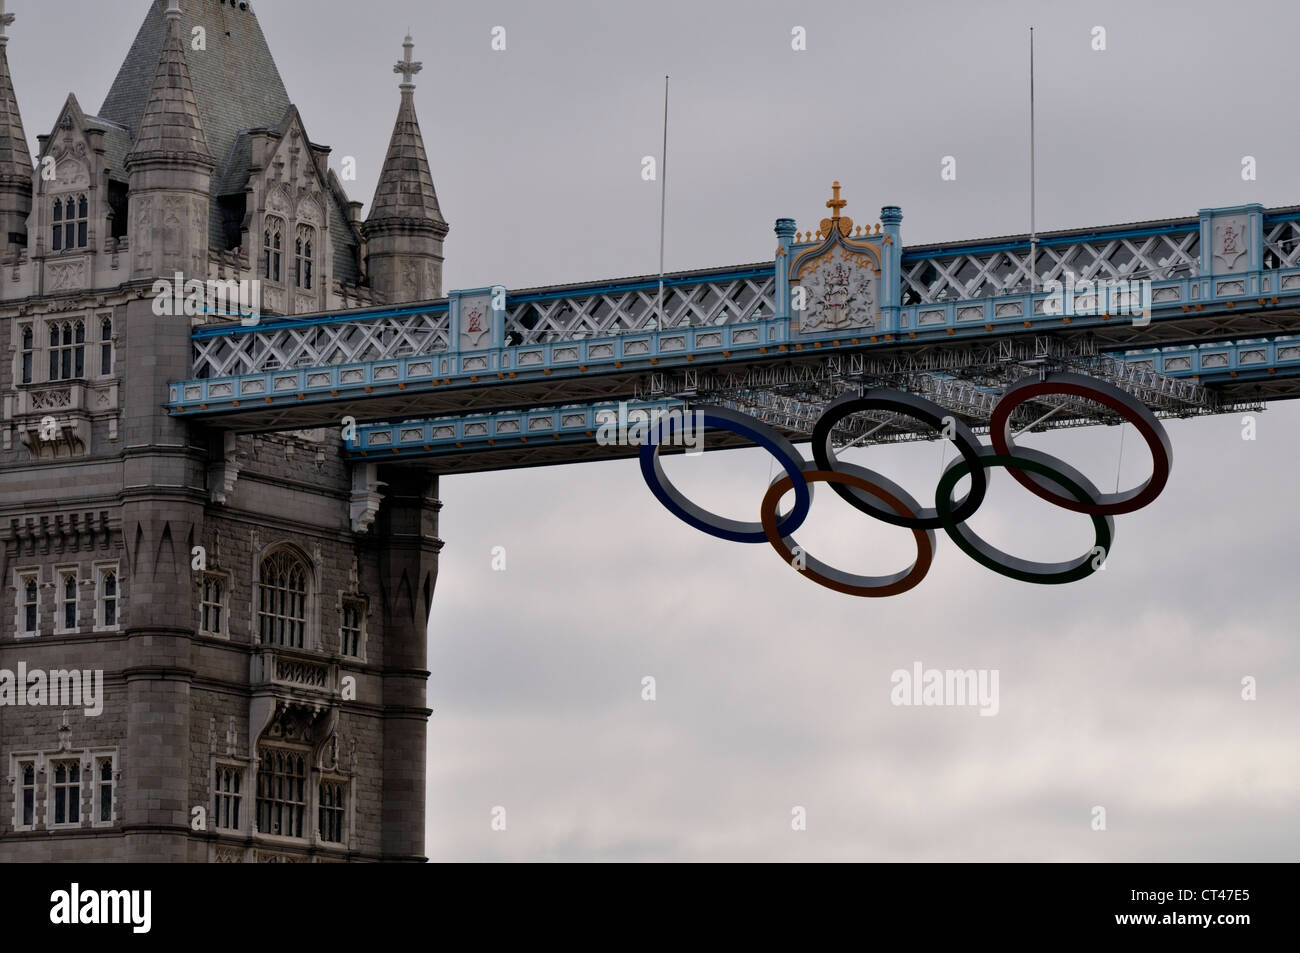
{"x":1282,"y":244}
{"x":608,"y":314}
{"x":352,"y":341}
{"x":961,"y":276}
{"x":357,"y":339}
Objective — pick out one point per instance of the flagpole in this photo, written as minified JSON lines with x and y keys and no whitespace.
{"x":1033,"y":176}
{"x":663,"y":206}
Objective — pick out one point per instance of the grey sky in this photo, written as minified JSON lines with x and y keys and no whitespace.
{"x":1121,"y":691}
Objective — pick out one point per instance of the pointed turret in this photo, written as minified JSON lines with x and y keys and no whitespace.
{"x":405,"y":229}
{"x":15,"y":159}
{"x":170,"y":169}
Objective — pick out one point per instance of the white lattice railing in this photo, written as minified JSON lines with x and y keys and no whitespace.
{"x":226,"y":352}
{"x":533,"y":320}
{"x":710,"y":299}
{"x":933,"y":276}
{"x":1281,"y":244}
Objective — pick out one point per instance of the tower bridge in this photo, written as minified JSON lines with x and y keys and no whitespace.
{"x":493,"y":378}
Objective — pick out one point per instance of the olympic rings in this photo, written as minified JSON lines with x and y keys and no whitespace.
{"x":1044,"y":475}
{"x":832,"y":578}
{"x":694,"y":515}
{"x":1076,"y":385}
{"x":908,"y":405}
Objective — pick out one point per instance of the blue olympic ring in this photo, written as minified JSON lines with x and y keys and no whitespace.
{"x":694,"y":515}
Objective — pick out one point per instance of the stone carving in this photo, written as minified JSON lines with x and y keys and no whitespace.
{"x":66,"y":275}
{"x":475,"y":322}
{"x":841,"y":291}
{"x":309,"y":209}
{"x":141,"y":230}
{"x":70,"y":173}
{"x":51,"y":398}
{"x":297,"y":672}
{"x":1231,"y":246}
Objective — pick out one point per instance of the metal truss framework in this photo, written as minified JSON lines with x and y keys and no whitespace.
{"x":932,"y":276}
{"x":967,"y":380}
{"x":708,"y":299}
{"x":573,"y":317}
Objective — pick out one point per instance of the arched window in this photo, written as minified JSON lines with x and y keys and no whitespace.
{"x":83,"y":216}
{"x":31,"y":605}
{"x":282,"y":600}
{"x":71,"y":223}
{"x":229,"y":797}
{"x":281,"y":792}
{"x":29,"y":794}
{"x":106,"y":346}
{"x":67,"y":350}
{"x":271,"y":249}
{"x":332,"y":808}
{"x":67,"y":792}
{"x":29,"y":353}
{"x":68,"y":602}
{"x":106,"y":598}
{"x":302,"y":262}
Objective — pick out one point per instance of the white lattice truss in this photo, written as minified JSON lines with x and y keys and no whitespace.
{"x":959,"y":276}
{"x":359,"y":339}
{"x":1282,"y":242}
{"x":610,"y":314}
{"x":318,"y":345}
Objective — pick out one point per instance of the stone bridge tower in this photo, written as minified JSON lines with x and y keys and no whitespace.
{"x":257,"y":609}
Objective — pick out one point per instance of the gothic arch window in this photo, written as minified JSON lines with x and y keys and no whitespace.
{"x":29,"y":602}
{"x":107,"y":595}
{"x":282,"y":599}
{"x":271,"y":245}
{"x":281,"y":791}
{"x":28,"y":353}
{"x":28,"y":796}
{"x":71,"y":220}
{"x":67,"y":350}
{"x":302,"y":265}
{"x":332,"y":810}
{"x":105,"y":346}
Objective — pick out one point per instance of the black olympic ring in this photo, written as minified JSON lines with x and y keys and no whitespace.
{"x":1046,"y":476}
{"x":918,"y":408}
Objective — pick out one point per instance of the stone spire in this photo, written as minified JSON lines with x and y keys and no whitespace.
{"x":15,"y":159}
{"x":170,"y":169}
{"x":405,"y":229}
{"x":170,"y":128}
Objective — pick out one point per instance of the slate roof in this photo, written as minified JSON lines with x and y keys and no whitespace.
{"x":237,"y":87}
{"x":405,"y":190}
{"x":170,"y":125}
{"x":15,"y":159}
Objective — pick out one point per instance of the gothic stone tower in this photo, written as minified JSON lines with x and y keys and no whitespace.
{"x":257,"y":610}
